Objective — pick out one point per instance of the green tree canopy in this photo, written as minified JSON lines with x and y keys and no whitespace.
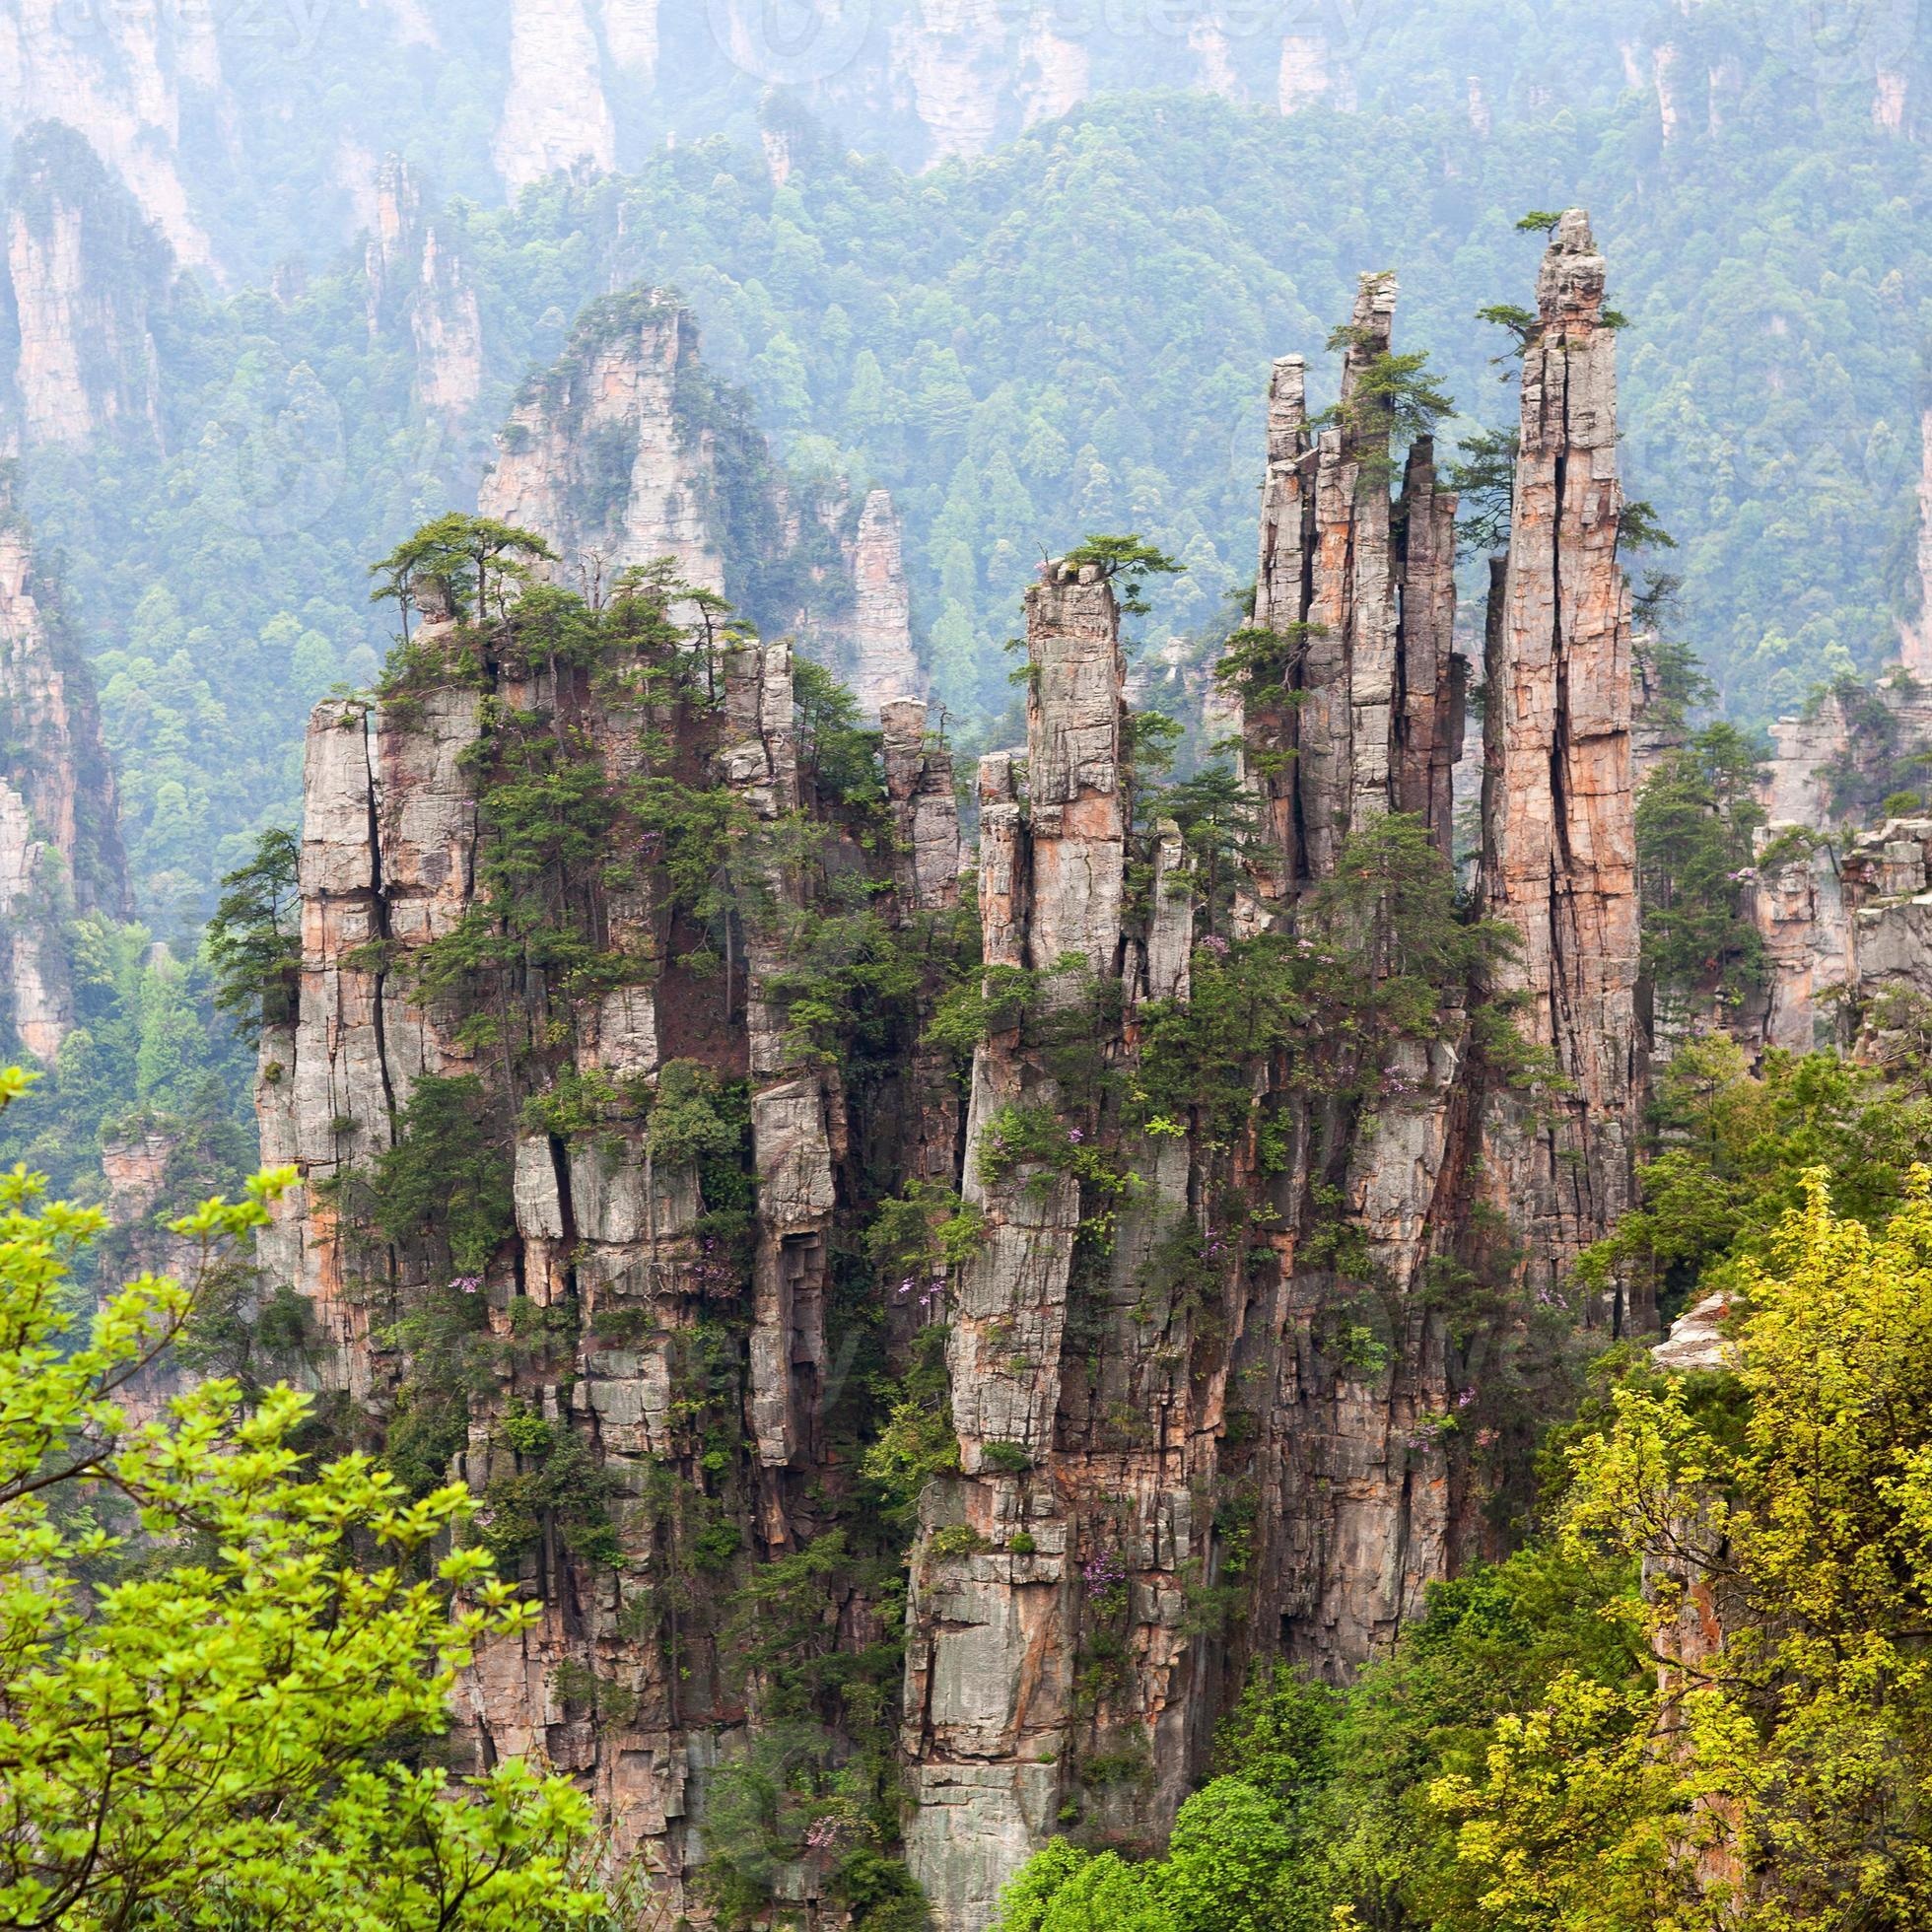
{"x":214,"y":1659}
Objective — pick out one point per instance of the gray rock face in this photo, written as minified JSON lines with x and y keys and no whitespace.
{"x":1208,"y":1408}
{"x":599,"y":1312}
{"x":877,"y":662}
{"x":1365,"y":714}
{"x":616,"y":387}
{"x":1077,"y":820}
{"x":60,"y":849}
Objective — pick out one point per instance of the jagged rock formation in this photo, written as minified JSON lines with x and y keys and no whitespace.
{"x":1851,"y":745}
{"x":602,"y":454}
{"x":878,"y":663}
{"x":627,"y":450}
{"x":119,"y":72}
{"x":1198,"y":1228}
{"x":1371,"y":716}
{"x":1559,"y":843}
{"x":83,"y":271}
{"x":555,"y":115}
{"x":60,"y":847}
{"x":621,"y":1329}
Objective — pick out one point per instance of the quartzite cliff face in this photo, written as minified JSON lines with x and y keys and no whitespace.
{"x":1204,"y":1235}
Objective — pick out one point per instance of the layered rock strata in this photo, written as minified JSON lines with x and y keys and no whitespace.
{"x":650,"y":1378}
{"x":1362,"y":592}
{"x":414,"y":280}
{"x":84,"y":269}
{"x":628,"y":451}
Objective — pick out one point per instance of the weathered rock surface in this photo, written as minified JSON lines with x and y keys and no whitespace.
{"x":878,"y":665}
{"x":83,"y":267}
{"x":60,"y":849}
{"x":1208,"y":1402}
{"x":600,"y":459}
{"x":414,"y":279}
{"x":604,"y":1312}
{"x":1362,"y":593}
{"x":1560,"y":857}
{"x":555,"y":116}
{"x":119,"y":72}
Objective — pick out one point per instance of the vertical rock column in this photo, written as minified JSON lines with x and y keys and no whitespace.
{"x":1362,"y":593}
{"x":989,"y":1660}
{"x":881,"y":666}
{"x":1429,"y":710}
{"x":925,"y":882}
{"x":792,"y":1148}
{"x":1271,"y":727}
{"x":1348,"y":668}
{"x":1558,"y":807}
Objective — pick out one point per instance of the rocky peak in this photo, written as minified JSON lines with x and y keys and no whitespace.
{"x":1560,"y":840}
{"x":83,"y":271}
{"x":603,"y":453}
{"x":628,"y":451}
{"x":413,"y":278}
{"x":556,"y":114}
{"x":1362,"y":592}
{"x":878,"y":664}
{"x":1188,"y":1236}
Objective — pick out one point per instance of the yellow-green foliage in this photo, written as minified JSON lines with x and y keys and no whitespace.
{"x":210,"y":1650}
{"x":1796,"y":1762}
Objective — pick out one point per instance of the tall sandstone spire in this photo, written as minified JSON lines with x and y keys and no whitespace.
{"x":1362,"y":593}
{"x":1558,"y":815}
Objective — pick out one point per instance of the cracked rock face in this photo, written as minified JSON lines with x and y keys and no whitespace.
{"x":83,"y":267}
{"x":1560,"y":838}
{"x":607,"y":1240}
{"x":596,"y":459}
{"x":877,"y":665}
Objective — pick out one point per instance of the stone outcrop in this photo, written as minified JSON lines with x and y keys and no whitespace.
{"x":119,"y":72}
{"x":84,"y":269}
{"x":601,"y":455}
{"x":1560,"y":858}
{"x":555,"y":116}
{"x":877,"y":665}
{"x":602,"y":1306}
{"x":1849,"y":747}
{"x":60,"y":849}
{"x":630,"y":37}
{"x":1361,"y":592}
{"x":628,"y":451}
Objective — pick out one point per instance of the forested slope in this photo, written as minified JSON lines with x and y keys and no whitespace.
{"x":1068,"y":334}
